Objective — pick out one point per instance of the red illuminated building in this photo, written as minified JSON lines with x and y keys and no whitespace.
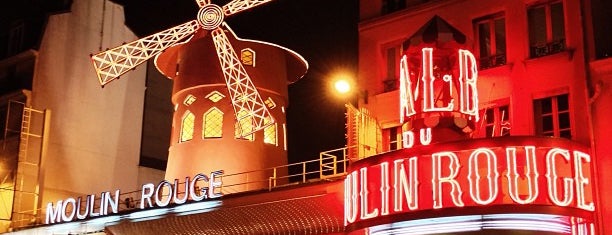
{"x":467,"y":117}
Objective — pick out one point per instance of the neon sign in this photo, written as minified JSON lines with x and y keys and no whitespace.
{"x":467,"y":102}
{"x":420,"y":179}
{"x":197,"y":189}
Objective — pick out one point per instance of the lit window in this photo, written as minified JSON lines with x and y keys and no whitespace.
{"x":270,"y":133}
{"x":189,"y":100}
{"x":395,"y":140}
{"x":215,"y":96}
{"x":187,"y":126}
{"x":552,"y":116}
{"x":248,"y":57}
{"x":546,"y":29}
{"x":491,"y":35}
{"x":213,"y":123}
{"x":246,"y":125}
{"x":496,"y":121}
{"x":270,"y":103}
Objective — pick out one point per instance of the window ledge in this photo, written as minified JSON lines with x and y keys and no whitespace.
{"x":506,"y":66}
{"x":567,"y":53}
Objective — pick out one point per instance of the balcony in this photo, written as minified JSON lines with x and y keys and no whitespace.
{"x":549,"y":48}
{"x":492,"y":61}
{"x":389,"y":85}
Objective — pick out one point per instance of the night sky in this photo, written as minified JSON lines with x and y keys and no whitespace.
{"x":324,"y":32}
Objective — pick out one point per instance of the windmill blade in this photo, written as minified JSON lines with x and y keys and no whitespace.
{"x":202,"y":3}
{"x":236,"y":6}
{"x":246,"y":100}
{"x":115,"y":62}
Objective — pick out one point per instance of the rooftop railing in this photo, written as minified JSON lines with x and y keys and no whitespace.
{"x":331,"y":165}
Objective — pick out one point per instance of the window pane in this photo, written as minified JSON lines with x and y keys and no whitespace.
{"x":391,"y":63}
{"x":244,"y":126}
{"x":489,"y":116}
{"x":393,"y":138}
{"x":537,"y":26}
{"x":270,"y":133}
{"x":547,"y":123}
{"x":504,"y":113}
{"x":566,"y":134}
{"x":564,"y":120}
{"x":489,"y":131}
{"x":558,"y":25}
{"x":187,"y":127}
{"x":505,"y":132}
{"x":562,"y":102}
{"x":484,"y":39}
{"x":545,"y":105}
{"x":500,"y":36}
{"x":213,"y":123}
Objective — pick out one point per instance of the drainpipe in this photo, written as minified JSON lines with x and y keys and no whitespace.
{"x":590,"y":99}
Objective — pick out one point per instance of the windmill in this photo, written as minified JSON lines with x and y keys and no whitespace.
{"x":245,"y":99}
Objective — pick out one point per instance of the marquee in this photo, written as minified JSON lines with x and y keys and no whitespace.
{"x":510,"y":174}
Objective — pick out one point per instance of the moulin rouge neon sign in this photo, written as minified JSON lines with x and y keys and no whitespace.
{"x":421,"y":99}
{"x":195,"y":189}
{"x":468,"y":93}
{"x":472,"y":173}
{"x":485,"y":176}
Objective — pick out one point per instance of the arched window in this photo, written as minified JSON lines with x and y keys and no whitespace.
{"x":187,"y":126}
{"x":246,"y":125}
{"x":213,"y":123}
{"x":270,"y":133}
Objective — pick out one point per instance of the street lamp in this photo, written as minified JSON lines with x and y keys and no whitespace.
{"x":342,"y":86}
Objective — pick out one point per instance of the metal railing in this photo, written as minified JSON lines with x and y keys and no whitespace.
{"x":334,"y":162}
{"x":331,"y":164}
{"x":492,"y":61}
{"x":548,"y":48}
{"x":22,"y":148}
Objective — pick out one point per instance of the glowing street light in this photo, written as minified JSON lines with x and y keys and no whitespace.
{"x":342,"y":83}
{"x":342,"y":86}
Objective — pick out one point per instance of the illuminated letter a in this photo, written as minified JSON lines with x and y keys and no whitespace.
{"x":406,"y":97}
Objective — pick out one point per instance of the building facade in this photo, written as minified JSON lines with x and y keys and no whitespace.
{"x":472,"y":117}
{"x":541,"y":72}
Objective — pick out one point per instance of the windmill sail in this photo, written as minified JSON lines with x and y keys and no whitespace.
{"x":115,"y":62}
{"x":246,"y":100}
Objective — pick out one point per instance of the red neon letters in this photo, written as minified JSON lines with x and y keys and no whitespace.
{"x":514,"y":175}
{"x":468,"y":92}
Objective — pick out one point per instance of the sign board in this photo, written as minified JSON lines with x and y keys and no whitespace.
{"x":194,"y":189}
{"x":513,"y":171}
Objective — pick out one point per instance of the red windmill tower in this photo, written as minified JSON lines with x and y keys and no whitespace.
{"x":216,"y":73}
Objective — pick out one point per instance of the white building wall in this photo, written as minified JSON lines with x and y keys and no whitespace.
{"x":95,"y":133}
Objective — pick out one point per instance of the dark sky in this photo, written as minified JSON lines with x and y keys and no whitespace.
{"x":323,"y":31}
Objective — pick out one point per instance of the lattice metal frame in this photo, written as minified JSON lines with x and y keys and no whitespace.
{"x":115,"y":62}
{"x":242,"y":91}
{"x":202,"y":3}
{"x":236,"y":6}
{"x":111,"y":64}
